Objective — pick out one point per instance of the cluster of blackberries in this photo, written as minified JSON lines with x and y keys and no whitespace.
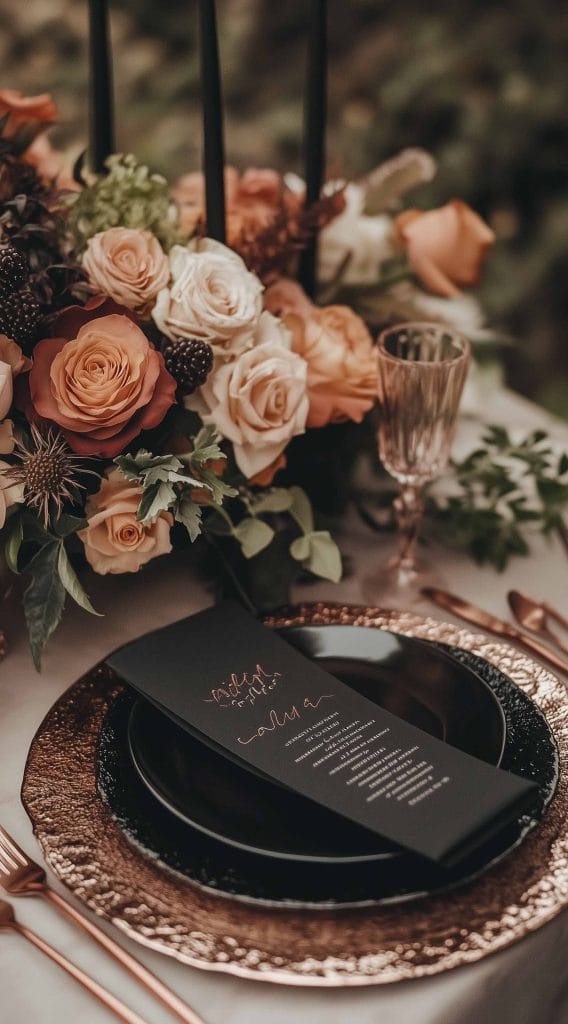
{"x":20,"y":311}
{"x":189,"y":361}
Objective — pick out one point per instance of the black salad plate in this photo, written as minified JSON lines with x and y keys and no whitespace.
{"x":224,"y":868}
{"x":213,"y":794}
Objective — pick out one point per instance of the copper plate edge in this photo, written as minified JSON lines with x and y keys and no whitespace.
{"x":87,"y":851}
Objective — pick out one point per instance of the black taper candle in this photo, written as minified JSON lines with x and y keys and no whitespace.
{"x":211,"y":99}
{"x":314,"y":128}
{"x":100,"y":86}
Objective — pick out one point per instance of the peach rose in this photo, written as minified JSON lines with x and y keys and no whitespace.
{"x":446,"y":247}
{"x":342,"y":366}
{"x":259,"y":401}
{"x":10,"y":352}
{"x":23,"y":110}
{"x":129,"y":265}
{"x":52,"y":166}
{"x":10,"y":493}
{"x":114,"y":540}
{"x":286,"y":296}
{"x":101,"y":385}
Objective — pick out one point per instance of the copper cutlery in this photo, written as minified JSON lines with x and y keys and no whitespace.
{"x":8,"y":923}
{"x":471,"y":613}
{"x":21,"y":876}
{"x":533,"y":615}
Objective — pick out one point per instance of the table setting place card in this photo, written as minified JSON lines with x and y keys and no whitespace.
{"x":240,"y":688}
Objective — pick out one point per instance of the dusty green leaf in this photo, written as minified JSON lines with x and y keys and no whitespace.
{"x":253,"y":535}
{"x":44,"y":599}
{"x":70,"y":581}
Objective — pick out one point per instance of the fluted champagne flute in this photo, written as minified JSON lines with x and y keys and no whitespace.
{"x":422,"y":368}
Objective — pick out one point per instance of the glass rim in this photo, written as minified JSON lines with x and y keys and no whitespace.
{"x":423,"y":325}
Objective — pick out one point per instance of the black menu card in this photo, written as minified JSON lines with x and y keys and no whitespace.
{"x":241,"y":688}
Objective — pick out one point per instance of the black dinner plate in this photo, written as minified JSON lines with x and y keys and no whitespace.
{"x":410,"y":678}
{"x":224,"y":870}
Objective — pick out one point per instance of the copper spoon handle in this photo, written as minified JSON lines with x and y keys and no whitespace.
{"x":543,"y":652}
{"x":555,"y":614}
{"x":129,"y":962}
{"x":120,"y":1010}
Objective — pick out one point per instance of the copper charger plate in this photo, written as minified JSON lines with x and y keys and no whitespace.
{"x":87,"y":850}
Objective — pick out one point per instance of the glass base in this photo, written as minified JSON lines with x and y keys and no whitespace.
{"x":391,"y":585}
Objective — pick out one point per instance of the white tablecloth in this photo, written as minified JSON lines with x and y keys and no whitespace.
{"x":525,"y":984}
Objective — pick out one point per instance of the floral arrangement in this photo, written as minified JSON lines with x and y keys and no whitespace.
{"x":153,"y":380}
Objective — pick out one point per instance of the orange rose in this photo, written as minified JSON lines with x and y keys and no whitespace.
{"x":38,"y":110}
{"x":51,"y":165}
{"x":129,"y":265}
{"x":114,"y":540}
{"x":446,"y":247}
{"x":342,"y":366}
{"x":102,"y":384}
{"x":253,"y":201}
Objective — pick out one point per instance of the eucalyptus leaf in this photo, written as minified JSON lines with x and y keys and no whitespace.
{"x":44,"y":599}
{"x":324,"y":558}
{"x":300,"y":548}
{"x":253,"y":535}
{"x":14,"y":543}
{"x":278,"y":499}
{"x":301,"y":509}
{"x":69,"y":579}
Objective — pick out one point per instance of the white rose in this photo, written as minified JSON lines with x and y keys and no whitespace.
{"x":365,"y":241}
{"x":212,"y":296}
{"x":6,"y":389}
{"x":10,"y":492}
{"x":259,"y":401}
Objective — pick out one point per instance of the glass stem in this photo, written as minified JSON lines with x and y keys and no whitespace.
{"x":408,"y":506}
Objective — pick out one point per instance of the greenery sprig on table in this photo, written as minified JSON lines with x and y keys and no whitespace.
{"x":501,"y":493}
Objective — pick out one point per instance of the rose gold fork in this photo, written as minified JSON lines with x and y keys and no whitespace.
{"x":8,"y":923}
{"x":21,"y":876}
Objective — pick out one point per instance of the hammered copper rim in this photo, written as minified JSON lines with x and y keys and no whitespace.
{"x":86,"y":849}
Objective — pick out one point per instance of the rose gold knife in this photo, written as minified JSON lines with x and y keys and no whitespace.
{"x":471,"y":613}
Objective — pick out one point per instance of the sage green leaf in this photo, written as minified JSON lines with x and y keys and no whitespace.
{"x":279,"y":499}
{"x":301,"y":509}
{"x":206,"y":446}
{"x":324,"y":558}
{"x":253,"y":535}
{"x":14,"y":543}
{"x":189,"y":513}
{"x":69,"y":579}
{"x":157,"y":498}
{"x":300,"y":548}
{"x":44,"y":599}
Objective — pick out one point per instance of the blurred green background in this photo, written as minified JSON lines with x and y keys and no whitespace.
{"x":483,"y":86}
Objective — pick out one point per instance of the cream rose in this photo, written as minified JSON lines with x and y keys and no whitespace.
{"x":129,"y":265}
{"x":259,"y":401}
{"x":114,"y":540}
{"x":355,"y":244}
{"x":10,"y":493}
{"x":212,"y":296}
{"x":6,"y":389}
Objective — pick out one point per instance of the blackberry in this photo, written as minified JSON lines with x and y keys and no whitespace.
{"x":14,"y":269}
{"x":189,"y":361}
{"x":20,"y":316}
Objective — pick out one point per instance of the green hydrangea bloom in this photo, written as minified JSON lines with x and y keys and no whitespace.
{"x":128,"y":196}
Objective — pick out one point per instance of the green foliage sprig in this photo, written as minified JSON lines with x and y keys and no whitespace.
{"x":500,"y":493}
{"x":129,"y":196}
